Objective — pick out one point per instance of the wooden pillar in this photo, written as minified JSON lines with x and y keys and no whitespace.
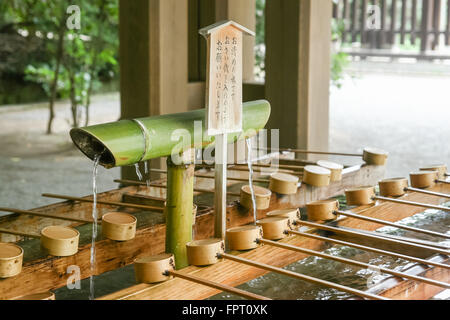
{"x":427,"y":20}
{"x":244,"y":13}
{"x":207,"y":12}
{"x":298,"y":36}
{"x":153,"y":59}
{"x":436,"y":25}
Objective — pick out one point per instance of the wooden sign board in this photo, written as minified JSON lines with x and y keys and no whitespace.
{"x":224,"y":77}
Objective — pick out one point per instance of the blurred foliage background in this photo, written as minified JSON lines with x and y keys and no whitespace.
{"x":43,"y":58}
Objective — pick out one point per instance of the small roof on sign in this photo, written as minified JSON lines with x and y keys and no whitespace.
{"x":221,"y":24}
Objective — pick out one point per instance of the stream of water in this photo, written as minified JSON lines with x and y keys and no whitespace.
{"x":146,"y":173}
{"x":250,"y":177}
{"x":138,"y":171}
{"x":94,"y":226}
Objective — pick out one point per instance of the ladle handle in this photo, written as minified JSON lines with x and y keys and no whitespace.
{"x":45,"y":215}
{"x":19,"y":233}
{"x":393,"y":224}
{"x":432,"y":193}
{"x":216,"y":285}
{"x":313,"y":152}
{"x":412,"y":203}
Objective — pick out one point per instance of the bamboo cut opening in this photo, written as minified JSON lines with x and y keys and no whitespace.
{"x":91,"y":147}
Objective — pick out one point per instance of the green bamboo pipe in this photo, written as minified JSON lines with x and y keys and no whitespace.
{"x":127,"y":142}
{"x":178,"y":210}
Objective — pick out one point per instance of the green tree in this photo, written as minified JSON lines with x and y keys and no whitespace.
{"x":48,"y":20}
{"x":75,"y":58}
{"x":339,"y":60}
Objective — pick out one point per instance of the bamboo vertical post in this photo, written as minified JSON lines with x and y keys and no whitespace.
{"x":180,"y":198}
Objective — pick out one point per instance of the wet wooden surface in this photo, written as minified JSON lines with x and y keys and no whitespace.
{"x":41,"y":272}
{"x":233,"y":274}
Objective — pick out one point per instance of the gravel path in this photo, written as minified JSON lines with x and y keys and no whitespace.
{"x":406,"y":115}
{"x":32,"y":162}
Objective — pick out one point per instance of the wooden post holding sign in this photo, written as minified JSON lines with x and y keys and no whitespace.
{"x":223,"y":101}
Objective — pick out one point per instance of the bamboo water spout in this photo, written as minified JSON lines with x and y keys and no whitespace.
{"x":127,"y":142}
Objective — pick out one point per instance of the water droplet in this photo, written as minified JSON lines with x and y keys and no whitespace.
{"x":138,"y":172}
{"x":250,"y":177}
{"x":94,"y":226}
{"x":147,"y":174}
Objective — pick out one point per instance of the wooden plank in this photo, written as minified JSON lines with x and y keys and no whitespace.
{"x":41,"y":272}
{"x":298,"y":37}
{"x":196,"y":90}
{"x":393,"y":21}
{"x":226,"y":272}
{"x":209,"y":12}
{"x":143,"y":200}
{"x":403,"y":22}
{"x":413,"y":21}
{"x":224,"y":78}
{"x":233,"y":274}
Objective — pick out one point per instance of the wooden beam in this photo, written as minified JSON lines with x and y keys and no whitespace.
{"x":298,"y":37}
{"x":209,"y":12}
{"x":426,"y":26}
{"x":244,"y":13}
{"x":153,"y":60}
